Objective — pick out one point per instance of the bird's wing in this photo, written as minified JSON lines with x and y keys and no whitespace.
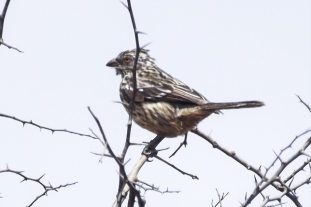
{"x":171,"y":93}
{"x":163,"y":87}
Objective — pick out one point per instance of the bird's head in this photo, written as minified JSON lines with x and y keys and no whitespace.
{"x":125,"y":61}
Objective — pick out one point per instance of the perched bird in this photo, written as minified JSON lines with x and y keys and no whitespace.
{"x":163,"y":104}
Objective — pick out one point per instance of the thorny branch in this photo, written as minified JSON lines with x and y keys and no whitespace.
{"x":46,"y":128}
{"x":46,"y":188}
{"x":220,"y":198}
{"x":129,"y":125}
{"x":145,"y":186}
{"x":179,"y":170}
{"x":258,"y":171}
{"x":287,"y":190}
{"x":298,"y":170}
{"x":2,"y":17}
{"x":123,"y":189}
{"x":306,"y":105}
{"x":123,"y":174}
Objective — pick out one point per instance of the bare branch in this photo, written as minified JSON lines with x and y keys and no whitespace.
{"x":276,"y":178}
{"x":123,"y":176}
{"x":306,"y":181}
{"x":133,"y":175}
{"x":2,"y":17}
{"x":258,"y":172}
{"x":131,"y":200}
{"x":46,"y":188}
{"x":122,"y":188}
{"x":297,"y":171}
{"x":9,"y":46}
{"x":301,"y":101}
{"x":129,"y":126}
{"x":46,"y":128}
{"x":179,"y":170}
{"x":101,"y":154}
{"x":99,"y":139}
{"x":220,"y":198}
{"x":144,"y":186}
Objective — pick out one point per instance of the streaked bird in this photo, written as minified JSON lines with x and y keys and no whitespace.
{"x":163,"y":104}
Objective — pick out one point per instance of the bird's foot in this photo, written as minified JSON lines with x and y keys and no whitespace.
{"x":150,"y":149}
{"x":149,"y":152}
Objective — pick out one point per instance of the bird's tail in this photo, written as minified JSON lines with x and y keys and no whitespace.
{"x":232,"y":105}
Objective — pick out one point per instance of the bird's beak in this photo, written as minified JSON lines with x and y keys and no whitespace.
{"x":112,"y":63}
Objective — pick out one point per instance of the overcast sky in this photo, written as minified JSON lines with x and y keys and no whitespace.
{"x":227,"y":50}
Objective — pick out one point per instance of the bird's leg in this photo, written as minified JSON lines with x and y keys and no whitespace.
{"x":181,"y":144}
{"x":150,"y":150}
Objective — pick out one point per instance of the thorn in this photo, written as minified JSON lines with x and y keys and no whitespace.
{"x":163,"y":149}
{"x":127,"y":161}
{"x":145,"y":45}
{"x":139,"y":32}
{"x":124,"y":4}
{"x":119,"y":102}
{"x":41,"y":177}
{"x":291,"y":181}
{"x":255,"y":179}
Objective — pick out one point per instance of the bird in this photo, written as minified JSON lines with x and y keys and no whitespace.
{"x":163,"y":104}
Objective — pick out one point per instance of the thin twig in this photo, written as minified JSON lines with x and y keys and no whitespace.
{"x":220,"y":198}
{"x":124,"y":177}
{"x":2,"y":17}
{"x":276,"y":178}
{"x":46,"y":188}
{"x":297,"y":171}
{"x":46,"y":128}
{"x":308,"y":107}
{"x":129,"y":125}
{"x":153,"y":188}
{"x":306,"y":181}
{"x":258,"y":172}
{"x":179,"y":170}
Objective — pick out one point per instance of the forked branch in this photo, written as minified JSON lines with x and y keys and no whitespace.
{"x":46,"y":188}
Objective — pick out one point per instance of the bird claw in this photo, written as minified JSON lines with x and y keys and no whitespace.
{"x":149,"y":160}
{"x":149,"y":152}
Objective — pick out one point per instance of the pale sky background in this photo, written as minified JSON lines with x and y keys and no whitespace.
{"x":227,"y":50}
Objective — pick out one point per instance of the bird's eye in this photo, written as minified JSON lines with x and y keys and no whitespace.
{"x":127,"y":59}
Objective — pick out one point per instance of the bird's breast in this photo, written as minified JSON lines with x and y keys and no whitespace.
{"x":167,"y":119}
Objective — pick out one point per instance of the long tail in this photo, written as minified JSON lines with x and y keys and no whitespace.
{"x":232,"y":105}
